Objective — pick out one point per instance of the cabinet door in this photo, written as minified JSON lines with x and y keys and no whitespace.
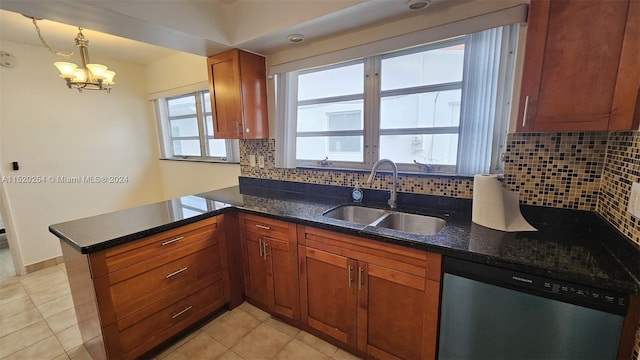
{"x":328,"y":293}
{"x":282,"y":277}
{"x":255,"y":267}
{"x":397,"y":313}
{"x":571,"y":64}
{"x":224,"y":89}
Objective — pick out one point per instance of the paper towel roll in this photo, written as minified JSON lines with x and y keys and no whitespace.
{"x":496,"y":207}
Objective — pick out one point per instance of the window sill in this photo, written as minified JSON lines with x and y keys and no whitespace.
{"x":202,"y":161}
{"x":384,"y":170}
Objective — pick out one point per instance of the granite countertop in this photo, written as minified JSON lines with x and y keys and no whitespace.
{"x":571,"y":245}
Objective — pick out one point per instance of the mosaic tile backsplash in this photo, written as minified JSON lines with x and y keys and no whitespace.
{"x":621,"y":169}
{"x":579,"y":170}
{"x":556,"y":169}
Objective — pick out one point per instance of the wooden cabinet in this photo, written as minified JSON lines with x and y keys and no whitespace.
{"x":378,"y":298}
{"x":270,"y":264}
{"x":237,"y":86}
{"x":132,"y":297}
{"x":581,"y":67}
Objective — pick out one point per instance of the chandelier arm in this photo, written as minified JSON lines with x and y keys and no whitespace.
{"x":59,"y":53}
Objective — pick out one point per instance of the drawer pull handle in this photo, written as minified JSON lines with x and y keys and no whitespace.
{"x":169,"y":242}
{"x":181,"y":312}
{"x":260,"y":247}
{"x":359,"y":278}
{"x":350,"y":278}
{"x":264,"y":250}
{"x":264,"y":227}
{"x":176,"y":272}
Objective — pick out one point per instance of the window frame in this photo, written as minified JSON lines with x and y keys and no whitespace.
{"x":166,"y":138}
{"x":372,"y":97}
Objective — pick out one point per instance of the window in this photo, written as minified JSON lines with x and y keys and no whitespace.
{"x":186,"y":125}
{"x":429,"y":108}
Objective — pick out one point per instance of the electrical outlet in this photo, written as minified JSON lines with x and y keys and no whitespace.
{"x":252,"y":160}
{"x":634,"y":200}
{"x":261,"y":161}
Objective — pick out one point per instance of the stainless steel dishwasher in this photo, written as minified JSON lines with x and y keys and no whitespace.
{"x":493,"y":313}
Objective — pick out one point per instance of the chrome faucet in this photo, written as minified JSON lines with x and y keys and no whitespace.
{"x":394,"y":167}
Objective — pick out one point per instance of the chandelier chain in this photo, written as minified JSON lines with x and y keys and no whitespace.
{"x":59,"y":53}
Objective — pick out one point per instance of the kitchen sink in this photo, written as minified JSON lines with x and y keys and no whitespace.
{"x":411,"y":223}
{"x":387,"y":219}
{"x":355,"y":214}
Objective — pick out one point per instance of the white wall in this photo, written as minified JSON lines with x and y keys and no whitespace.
{"x":54,"y":131}
{"x":167,"y":76}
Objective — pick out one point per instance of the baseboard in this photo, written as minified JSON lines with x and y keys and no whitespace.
{"x":44,"y":264}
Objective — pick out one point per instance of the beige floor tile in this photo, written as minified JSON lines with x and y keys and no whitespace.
{"x":63,"y":320}
{"x":176,"y":345}
{"x":49,"y":292}
{"x":232,"y":327}
{"x":48,"y":348}
{"x":19,"y":321}
{"x":317,"y":343}
{"x":46,"y":274}
{"x":70,"y":338}
{"x":264,"y":342}
{"x":343,"y":355}
{"x":24,"y":337}
{"x":254,"y":311}
{"x":285,"y":328}
{"x":230,"y":355}
{"x":79,"y":353}
{"x":62,"y":357}
{"x":16,"y":306}
{"x":63,"y":267}
{"x":296,"y":349}
{"x":11,"y":291}
{"x":202,"y":346}
{"x":56,"y":306}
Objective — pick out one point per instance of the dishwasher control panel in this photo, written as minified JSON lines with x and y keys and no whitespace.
{"x":583,"y":295}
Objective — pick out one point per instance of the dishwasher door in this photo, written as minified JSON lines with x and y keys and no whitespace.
{"x":479,"y":320}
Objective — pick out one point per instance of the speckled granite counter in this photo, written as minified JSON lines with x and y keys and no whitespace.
{"x":570,"y":245}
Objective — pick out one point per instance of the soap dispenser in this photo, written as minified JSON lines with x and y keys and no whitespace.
{"x":357,"y":194}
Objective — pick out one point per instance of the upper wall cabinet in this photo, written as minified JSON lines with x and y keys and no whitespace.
{"x":582,"y":66}
{"x":237,"y":84}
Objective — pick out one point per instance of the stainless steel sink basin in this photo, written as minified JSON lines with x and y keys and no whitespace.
{"x":355,"y":214}
{"x":411,"y":223}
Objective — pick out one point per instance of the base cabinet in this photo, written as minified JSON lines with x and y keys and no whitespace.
{"x":270,"y":264}
{"x":133,"y":297}
{"x":379,"y":299}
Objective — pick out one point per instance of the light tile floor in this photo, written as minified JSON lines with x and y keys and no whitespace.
{"x":37,"y":321}
{"x":6,"y":263}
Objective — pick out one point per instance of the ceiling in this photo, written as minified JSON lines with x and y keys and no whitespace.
{"x":142,"y":31}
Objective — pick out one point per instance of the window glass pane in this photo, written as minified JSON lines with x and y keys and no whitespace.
{"x":186,"y":212}
{"x":336,"y":148}
{"x":184,"y":127}
{"x":433,"y":109}
{"x":423,"y":68}
{"x":181,"y":106}
{"x":186,"y":147}
{"x":216,"y":147}
{"x":346,"y":115}
{"x":345,"y":80}
{"x":206,"y":101}
{"x":438,"y":149}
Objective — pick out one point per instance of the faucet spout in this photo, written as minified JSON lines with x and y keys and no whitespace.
{"x":394,"y":167}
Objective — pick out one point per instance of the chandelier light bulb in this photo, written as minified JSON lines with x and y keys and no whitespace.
{"x":108,"y":77}
{"x":97,"y":70}
{"x":79,"y":76}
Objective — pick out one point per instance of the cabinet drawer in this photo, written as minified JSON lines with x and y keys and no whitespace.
{"x":140,"y":335}
{"x":132,"y":253}
{"x":268,"y":227}
{"x":134,"y":288}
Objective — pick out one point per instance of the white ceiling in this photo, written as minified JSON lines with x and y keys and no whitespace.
{"x":143,"y":31}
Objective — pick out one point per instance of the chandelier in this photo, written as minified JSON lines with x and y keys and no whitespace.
{"x":87,"y":76}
